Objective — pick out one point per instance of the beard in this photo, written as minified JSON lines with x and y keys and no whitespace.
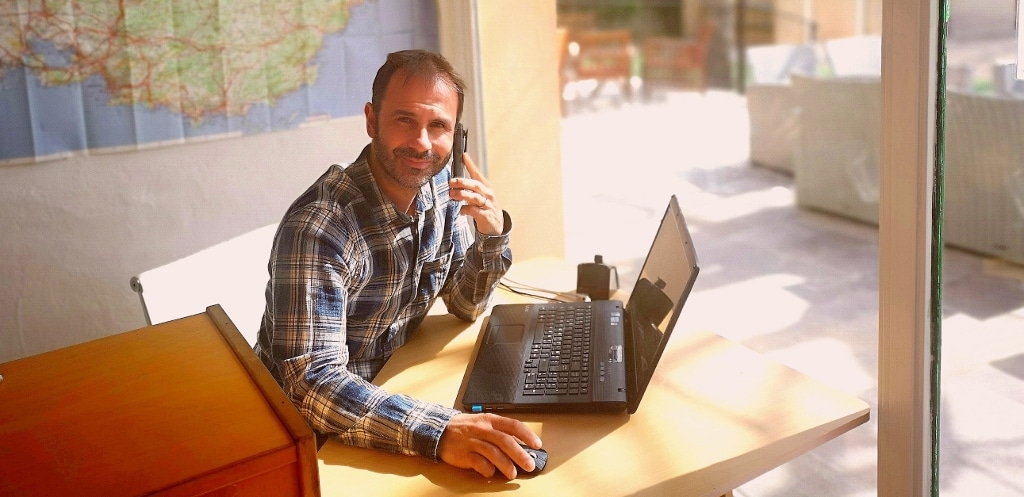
{"x":407,"y":177}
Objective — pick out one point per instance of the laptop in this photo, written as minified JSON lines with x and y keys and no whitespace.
{"x":585,"y":356}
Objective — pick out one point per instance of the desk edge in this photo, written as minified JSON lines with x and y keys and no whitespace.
{"x":297,"y":427}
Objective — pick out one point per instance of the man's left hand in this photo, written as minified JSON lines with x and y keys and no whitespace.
{"x":479,"y":200}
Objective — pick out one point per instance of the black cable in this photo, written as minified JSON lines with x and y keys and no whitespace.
{"x":535,"y":292}
{"x":524,"y":291}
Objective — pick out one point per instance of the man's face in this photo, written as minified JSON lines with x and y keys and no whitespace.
{"x":413,"y":133}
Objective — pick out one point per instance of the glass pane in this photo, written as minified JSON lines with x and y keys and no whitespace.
{"x":981,"y":435}
{"x":764,"y":119}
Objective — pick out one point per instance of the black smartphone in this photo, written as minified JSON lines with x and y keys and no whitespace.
{"x":459,"y":148}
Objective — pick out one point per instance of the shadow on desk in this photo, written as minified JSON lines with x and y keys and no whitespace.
{"x":561,"y":433}
{"x":715,"y":415}
{"x":432,"y":342}
{"x":430,"y":367}
{"x":447,"y":480}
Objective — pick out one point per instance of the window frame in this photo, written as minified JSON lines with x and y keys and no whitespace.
{"x":906,"y":276}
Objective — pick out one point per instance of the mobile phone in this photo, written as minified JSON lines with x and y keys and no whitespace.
{"x":459,"y":148}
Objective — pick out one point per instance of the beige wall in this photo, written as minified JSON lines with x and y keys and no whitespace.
{"x":873,"y":17}
{"x":788,"y":30}
{"x":519,"y":82}
{"x":835,"y":18}
{"x":844,"y":18}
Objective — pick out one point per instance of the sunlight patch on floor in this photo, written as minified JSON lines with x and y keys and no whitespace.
{"x":748,"y":308}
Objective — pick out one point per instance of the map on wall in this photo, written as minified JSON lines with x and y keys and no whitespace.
{"x":85,"y":76}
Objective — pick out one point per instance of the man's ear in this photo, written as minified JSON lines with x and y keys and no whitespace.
{"x":371,"y":118}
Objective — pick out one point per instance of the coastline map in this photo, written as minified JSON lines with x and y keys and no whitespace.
{"x":83,"y":76}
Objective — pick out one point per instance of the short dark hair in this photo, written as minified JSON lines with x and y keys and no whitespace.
{"x":420,"y":63}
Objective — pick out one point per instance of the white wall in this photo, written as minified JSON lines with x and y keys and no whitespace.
{"x":73,"y":232}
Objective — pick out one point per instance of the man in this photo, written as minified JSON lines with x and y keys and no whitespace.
{"x":361,"y":256}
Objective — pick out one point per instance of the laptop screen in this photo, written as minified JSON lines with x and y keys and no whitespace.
{"x":658,"y":296}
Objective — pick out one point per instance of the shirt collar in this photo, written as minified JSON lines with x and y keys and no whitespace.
{"x":434,"y":194}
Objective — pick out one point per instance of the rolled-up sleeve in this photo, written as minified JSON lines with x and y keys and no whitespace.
{"x":486,"y":260}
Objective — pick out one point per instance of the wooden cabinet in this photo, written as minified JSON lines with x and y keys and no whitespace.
{"x":180,"y":408}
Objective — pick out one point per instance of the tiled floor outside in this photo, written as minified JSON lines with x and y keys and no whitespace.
{"x":799,"y":286}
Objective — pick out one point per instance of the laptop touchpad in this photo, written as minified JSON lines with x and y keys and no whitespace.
{"x":509,"y":333}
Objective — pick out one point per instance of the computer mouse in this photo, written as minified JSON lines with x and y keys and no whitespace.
{"x":540,"y":459}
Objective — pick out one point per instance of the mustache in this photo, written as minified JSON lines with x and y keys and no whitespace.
{"x":412,"y":154}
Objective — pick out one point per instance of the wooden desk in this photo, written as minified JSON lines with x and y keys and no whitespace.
{"x":182,"y":408}
{"x":715,"y":416}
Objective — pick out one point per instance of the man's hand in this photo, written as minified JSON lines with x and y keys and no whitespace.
{"x":476,"y":192}
{"x":487,"y":442}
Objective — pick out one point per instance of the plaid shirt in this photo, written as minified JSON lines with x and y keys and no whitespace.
{"x":350,"y":279}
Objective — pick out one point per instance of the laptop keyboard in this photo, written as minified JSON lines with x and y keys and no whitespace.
{"x":560,"y":363}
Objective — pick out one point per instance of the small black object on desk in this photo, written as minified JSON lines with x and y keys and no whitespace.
{"x":595,"y":279}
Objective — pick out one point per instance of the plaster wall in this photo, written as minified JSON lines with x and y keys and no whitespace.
{"x":73,"y":232}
